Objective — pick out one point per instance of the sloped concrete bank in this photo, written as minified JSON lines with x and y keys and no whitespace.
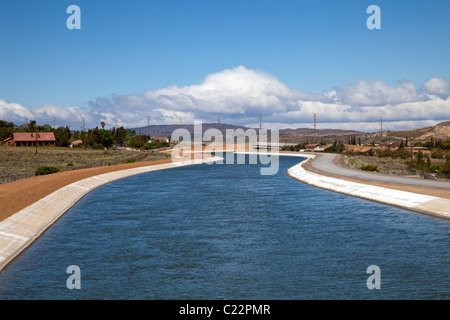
{"x":20,"y":230}
{"x":434,"y":206}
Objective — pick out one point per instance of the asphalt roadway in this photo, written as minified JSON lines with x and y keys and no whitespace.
{"x":324,"y":162}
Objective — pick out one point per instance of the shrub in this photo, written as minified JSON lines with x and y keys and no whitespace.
{"x":446,"y":167}
{"x":438,"y":154}
{"x":97,"y":146}
{"x":155,"y":145}
{"x":130,"y":161}
{"x":46,"y":170}
{"x":70,"y":164}
{"x":436,"y":167}
{"x":369,"y":167}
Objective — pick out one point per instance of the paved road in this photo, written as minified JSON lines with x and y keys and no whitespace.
{"x":325,"y":163}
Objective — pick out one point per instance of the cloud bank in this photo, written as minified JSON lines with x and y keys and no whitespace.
{"x":239,"y":95}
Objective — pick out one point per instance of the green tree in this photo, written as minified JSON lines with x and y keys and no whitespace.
{"x":6,"y":129}
{"x":75,"y":135}
{"x":420,"y":163}
{"x":62,"y":136}
{"x":138,"y":141}
{"x":92,"y":137}
{"x":45,"y":128}
{"x":105,"y":138}
{"x":32,"y":126}
{"x":337,"y":147}
{"x":119,"y":135}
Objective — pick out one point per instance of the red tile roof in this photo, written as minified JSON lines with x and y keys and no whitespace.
{"x":31,"y":136}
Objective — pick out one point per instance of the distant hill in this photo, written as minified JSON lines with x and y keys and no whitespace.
{"x":440,"y":131}
{"x":319,"y":132}
{"x":285,"y":135}
{"x":166,"y":130}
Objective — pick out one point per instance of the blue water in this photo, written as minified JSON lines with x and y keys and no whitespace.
{"x":226,"y":232}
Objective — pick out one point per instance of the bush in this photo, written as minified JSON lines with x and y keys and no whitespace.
{"x":369,"y":167}
{"x":98,"y":146}
{"x":156,"y":145}
{"x":130,"y":161}
{"x":435,"y":167}
{"x":438,"y":154}
{"x":46,"y":170}
{"x":446,"y":167}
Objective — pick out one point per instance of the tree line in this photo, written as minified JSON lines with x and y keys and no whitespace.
{"x":96,"y":138}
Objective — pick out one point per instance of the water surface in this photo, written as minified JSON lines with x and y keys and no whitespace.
{"x":226,"y":232}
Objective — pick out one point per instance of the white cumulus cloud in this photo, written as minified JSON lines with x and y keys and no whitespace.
{"x":438,"y":86}
{"x":14,"y":112}
{"x":239,"y":95}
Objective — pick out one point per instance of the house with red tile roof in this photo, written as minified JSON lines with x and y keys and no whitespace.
{"x":20,"y":139}
{"x":8,"y":142}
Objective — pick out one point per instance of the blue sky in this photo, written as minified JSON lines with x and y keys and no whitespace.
{"x":126,"y":49}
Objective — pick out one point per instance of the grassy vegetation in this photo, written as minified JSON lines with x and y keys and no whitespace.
{"x":387,"y":165}
{"x":370,"y":167}
{"x":22,"y":162}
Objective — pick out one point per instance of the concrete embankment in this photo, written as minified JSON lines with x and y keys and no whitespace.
{"x":435,"y":206}
{"x":21,"y":229}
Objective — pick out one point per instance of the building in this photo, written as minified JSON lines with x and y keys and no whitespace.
{"x":76,"y":143}
{"x":161,"y":139}
{"x":8,"y":142}
{"x":315,"y":147}
{"x":21,"y":139}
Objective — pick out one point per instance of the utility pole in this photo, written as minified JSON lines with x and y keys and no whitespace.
{"x":346,"y":146}
{"x":411,"y":144}
{"x":259,"y":121}
{"x":314,"y":128}
{"x":381,"y":132}
{"x":35,"y":130}
{"x":180,"y":137}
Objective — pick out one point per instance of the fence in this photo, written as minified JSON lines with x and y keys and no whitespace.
{"x":4,"y":180}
